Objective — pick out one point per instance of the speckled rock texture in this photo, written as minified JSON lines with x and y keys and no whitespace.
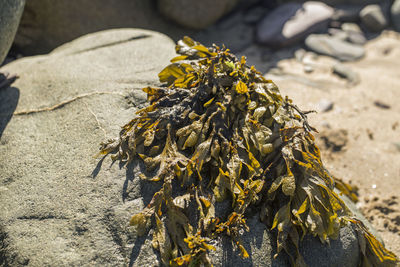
{"x":63,"y":207}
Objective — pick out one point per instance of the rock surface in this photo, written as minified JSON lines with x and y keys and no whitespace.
{"x":355,"y":34}
{"x":331,"y":46}
{"x":232,"y":32}
{"x":291,"y":22}
{"x":10,"y":15}
{"x":347,"y":13}
{"x":61,"y":206}
{"x":373,"y":18}
{"x":53,"y":211}
{"x":395,"y":14}
{"x":46,"y":24}
{"x":195,"y":14}
{"x":347,"y":73}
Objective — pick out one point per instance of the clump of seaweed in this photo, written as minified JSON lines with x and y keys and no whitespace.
{"x":219,"y":131}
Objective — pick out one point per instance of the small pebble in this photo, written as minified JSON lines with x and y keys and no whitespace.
{"x":346,"y":72}
{"x":308,"y":68}
{"x":325,"y":105}
{"x":382,"y":105}
{"x":299,"y":54}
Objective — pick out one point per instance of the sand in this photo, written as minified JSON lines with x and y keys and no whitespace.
{"x":360,"y":136}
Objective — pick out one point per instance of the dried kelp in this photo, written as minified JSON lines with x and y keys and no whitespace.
{"x":219,"y":131}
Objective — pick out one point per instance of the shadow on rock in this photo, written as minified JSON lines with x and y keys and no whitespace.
{"x":9,"y":97}
{"x":136,"y":250}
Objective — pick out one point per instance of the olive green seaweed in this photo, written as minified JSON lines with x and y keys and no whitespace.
{"x":219,"y":131}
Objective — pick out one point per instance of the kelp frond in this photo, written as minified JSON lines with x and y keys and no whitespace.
{"x":219,"y":131}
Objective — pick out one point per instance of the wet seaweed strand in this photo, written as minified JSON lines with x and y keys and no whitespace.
{"x":219,"y":131}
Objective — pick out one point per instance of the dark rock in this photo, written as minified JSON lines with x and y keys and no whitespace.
{"x":395,"y":14}
{"x":231,"y":31}
{"x":292,"y":22}
{"x":373,"y":18}
{"x":381,"y":104}
{"x":10,"y":15}
{"x":254,"y":14}
{"x":347,"y":73}
{"x":46,"y":24}
{"x":328,"y":45}
{"x":195,"y":14}
{"x":347,"y":13}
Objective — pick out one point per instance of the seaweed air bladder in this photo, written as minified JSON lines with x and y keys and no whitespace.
{"x":217,"y":131}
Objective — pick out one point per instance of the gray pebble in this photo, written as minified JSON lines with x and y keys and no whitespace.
{"x":325,"y":105}
{"x":331,"y":46}
{"x":347,"y":73}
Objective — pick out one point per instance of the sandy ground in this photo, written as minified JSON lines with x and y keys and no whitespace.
{"x":360,"y":136}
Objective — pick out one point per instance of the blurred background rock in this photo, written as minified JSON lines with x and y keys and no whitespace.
{"x":10,"y":14}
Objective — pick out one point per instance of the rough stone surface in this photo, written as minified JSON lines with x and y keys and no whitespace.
{"x":53,"y":211}
{"x":195,"y":14}
{"x":331,"y":46}
{"x":395,"y":14}
{"x":10,"y":14}
{"x":46,"y":24}
{"x":373,"y":18}
{"x":61,"y":206}
{"x":291,"y":22}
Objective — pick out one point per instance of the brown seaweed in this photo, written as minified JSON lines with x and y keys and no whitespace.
{"x":219,"y":131}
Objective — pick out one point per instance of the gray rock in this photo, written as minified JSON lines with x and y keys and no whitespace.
{"x":195,"y":14}
{"x":53,"y":211}
{"x":61,"y":206}
{"x":338,"y":34}
{"x":47,"y":24}
{"x":261,"y":246}
{"x":354,"y":33}
{"x":357,"y":213}
{"x":328,"y":45}
{"x":10,"y":15}
{"x":395,"y":14}
{"x":347,"y":73}
{"x":373,"y":18}
{"x":299,"y":54}
{"x":290,"y":23}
